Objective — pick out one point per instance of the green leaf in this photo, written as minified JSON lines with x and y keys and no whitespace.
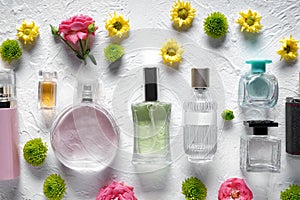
{"x":54,"y":30}
{"x":92,"y":59}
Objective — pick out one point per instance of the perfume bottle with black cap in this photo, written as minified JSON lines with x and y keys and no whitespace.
{"x":260,"y":152}
{"x":151,"y":120}
{"x":292,"y":117}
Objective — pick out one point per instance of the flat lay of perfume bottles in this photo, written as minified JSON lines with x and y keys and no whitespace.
{"x":85,"y":135}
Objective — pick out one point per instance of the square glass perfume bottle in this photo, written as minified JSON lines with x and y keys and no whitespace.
{"x":260,"y":152}
{"x":151,"y":120}
{"x":292,"y":124}
{"x":47,"y":89}
{"x":258,"y":89}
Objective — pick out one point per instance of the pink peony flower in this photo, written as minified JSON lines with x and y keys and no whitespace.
{"x":234,"y":189}
{"x":76,"y":28}
{"x":116,"y":191}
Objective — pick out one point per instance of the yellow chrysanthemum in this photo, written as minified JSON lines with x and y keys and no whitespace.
{"x":171,"y":52}
{"x":27,"y":32}
{"x":250,"y":21}
{"x":182,"y":14}
{"x":288,"y":49}
{"x":117,"y":25}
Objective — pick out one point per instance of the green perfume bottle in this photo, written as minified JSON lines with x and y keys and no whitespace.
{"x":151,"y":120}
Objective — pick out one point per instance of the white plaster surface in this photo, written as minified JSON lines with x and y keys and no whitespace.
{"x":226,"y":59}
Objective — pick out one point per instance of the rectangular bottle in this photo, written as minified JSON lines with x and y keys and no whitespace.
{"x":292,"y":122}
{"x":151,"y":120}
{"x":47,"y":89}
{"x":200,"y":120}
{"x":260,"y":152}
{"x":9,"y":128}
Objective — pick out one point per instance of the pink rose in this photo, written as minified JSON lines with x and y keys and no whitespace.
{"x":116,"y":191}
{"x":76,"y":28}
{"x":236,"y":189}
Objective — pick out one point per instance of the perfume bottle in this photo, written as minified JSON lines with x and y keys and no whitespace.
{"x":260,"y":152}
{"x":9,"y":133}
{"x":200,"y":120}
{"x":292,"y":117}
{"x":85,"y":136}
{"x":151,"y":120}
{"x":47,"y":89}
{"x":257,"y":88}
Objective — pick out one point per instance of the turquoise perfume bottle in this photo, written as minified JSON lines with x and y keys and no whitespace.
{"x":258,"y":89}
{"x":151,"y":120}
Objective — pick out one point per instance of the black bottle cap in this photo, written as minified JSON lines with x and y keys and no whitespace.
{"x":260,"y":127}
{"x":150,"y":75}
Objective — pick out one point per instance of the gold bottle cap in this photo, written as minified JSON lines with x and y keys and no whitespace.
{"x":200,"y":77}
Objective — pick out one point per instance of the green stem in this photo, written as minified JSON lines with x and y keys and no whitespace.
{"x":83,"y":51}
{"x":76,"y":52}
{"x":86,"y":42}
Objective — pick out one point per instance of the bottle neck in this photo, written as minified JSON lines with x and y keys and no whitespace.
{"x":201,"y":93}
{"x":200,"y":90}
{"x":260,"y":131}
{"x":87,"y":97}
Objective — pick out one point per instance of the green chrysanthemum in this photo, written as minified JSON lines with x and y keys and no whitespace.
{"x":54,"y":187}
{"x":291,"y":193}
{"x":194,"y":189}
{"x":35,"y":152}
{"x":216,"y":25}
{"x":113,"y":52}
{"x":9,"y":50}
{"x":227,"y":115}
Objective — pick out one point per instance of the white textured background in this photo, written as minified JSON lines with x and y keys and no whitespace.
{"x":280,"y":19}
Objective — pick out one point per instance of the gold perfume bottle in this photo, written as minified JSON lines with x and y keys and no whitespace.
{"x":47,"y":89}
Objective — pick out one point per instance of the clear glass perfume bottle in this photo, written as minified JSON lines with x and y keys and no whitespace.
{"x":151,"y":120}
{"x":200,"y":120}
{"x":292,"y":118}
{"x":85,"y":136}
{"x":260,"y":152}
{"x":257,"y":88}
{"x":47,"y":89}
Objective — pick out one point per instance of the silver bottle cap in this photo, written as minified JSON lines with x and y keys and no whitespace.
{"x":150,"y":74}
{"x":200,"y":77}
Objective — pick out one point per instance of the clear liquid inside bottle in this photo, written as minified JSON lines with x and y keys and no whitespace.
{"x":200,"y":127}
